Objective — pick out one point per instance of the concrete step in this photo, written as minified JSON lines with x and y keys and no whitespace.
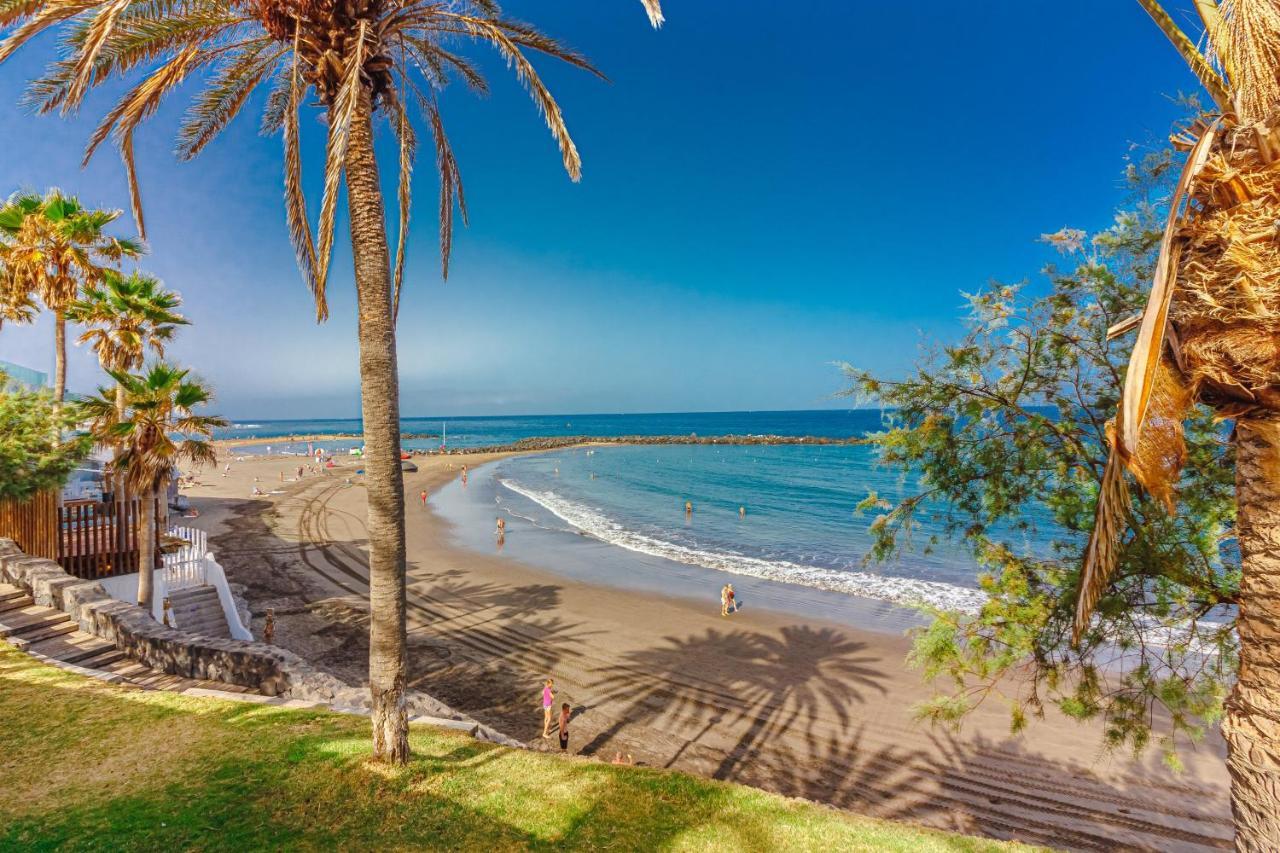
{"x":192,"y":595}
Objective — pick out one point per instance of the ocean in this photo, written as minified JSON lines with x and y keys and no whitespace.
{"x":777,"y":518}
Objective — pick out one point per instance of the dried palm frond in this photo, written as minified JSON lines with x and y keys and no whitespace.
{"x":1149,"y":346}
{"x":1216,"y":36}
{"x":1101,"y":555}
{"x":1253,"y":36}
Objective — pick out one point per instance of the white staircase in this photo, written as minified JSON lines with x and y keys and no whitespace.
{"x":197,"y":610}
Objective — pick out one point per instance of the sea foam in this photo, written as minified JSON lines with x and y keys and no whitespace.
{"x":905,"y":591}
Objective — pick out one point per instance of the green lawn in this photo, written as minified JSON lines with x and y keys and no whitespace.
{"x":84,"y":765}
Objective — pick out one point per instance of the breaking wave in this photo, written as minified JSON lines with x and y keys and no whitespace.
{"x":905,"y":591}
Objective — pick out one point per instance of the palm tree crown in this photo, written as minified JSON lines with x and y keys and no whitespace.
{"x":52,"y":247}
{"x":126,"y":315}
{"x":159,"y":428}
{"x":343,"y":50}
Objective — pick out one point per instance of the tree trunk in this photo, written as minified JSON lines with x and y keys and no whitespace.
{"x":147,"y":551}
{"x":59,"y":356}
{"x":1252,"y":723}
{"x":380,"y":407}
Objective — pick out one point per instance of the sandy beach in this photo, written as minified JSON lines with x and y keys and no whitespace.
{"x":799,"y":706}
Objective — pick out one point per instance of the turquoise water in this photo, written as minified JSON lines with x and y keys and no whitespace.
{"x":799,"y":526}
{"x":782,"y":514}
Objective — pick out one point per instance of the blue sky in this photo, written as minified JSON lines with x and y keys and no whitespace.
{"x":767,"y":188}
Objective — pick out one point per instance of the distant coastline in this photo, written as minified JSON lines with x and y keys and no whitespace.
{"x":526,"y":445}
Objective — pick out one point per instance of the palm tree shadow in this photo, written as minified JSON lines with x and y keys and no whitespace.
{"x":757,"y":685}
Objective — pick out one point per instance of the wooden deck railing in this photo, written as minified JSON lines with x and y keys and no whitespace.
{"x":89,"y":539}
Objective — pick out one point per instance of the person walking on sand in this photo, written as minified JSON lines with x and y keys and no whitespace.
{"x":724,"y":600}
{"x":548,"y":700}
{"x":565,"y":713}
{"x":731,"y":604}
{"x":423,"y":495}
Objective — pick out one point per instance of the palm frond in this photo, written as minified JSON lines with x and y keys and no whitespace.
{"x":230,"y":87}
{"x":404,"y":190}
{"x":1102,"y":553}
{"x":1148,"y":349}
{"x":46,"y":14}
{"x":451,"y":191}
{"x":134,"y":108}
{"x":295,"y":202}
{"x":654,"y":10}
{"x":487,"y":30}
{"x":82,"y":73}
{"x":1209,"y":78}
{"x":1219,"y":48}
{"x":340,"y":115}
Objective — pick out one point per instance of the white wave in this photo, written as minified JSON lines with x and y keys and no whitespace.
{"x":906,"y":591}
{"x":246,"y":426}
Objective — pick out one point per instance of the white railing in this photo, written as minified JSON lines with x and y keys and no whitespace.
{"x":185,"y":567}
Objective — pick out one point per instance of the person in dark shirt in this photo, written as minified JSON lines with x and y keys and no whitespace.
{"x":564,"y":726}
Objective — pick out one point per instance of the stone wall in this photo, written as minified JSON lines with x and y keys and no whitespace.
{"x":266,"y":669}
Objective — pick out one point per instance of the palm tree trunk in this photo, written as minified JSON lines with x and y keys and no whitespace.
{"x":59,"y":355}
{"x":1252,"y":723}
{"x":380,"y":407}
{"x":147,"y":551}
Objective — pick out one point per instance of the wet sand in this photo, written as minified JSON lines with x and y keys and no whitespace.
{"x":797,"y":705}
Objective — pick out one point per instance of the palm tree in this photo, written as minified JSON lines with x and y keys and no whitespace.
{"x":54,"y":247}
{"x":157,"y":430}
{"x":1210,"y":334}
{"x":360,"y":58}
{"x":126,"y":316}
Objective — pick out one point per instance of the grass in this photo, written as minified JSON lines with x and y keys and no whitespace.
{"x":88,"y":766}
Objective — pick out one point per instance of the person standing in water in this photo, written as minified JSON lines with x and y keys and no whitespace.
{"x":742,"y":512}
{"x":548,"y":700}
{"x":688,"y":507}
{"x":724,"y":600}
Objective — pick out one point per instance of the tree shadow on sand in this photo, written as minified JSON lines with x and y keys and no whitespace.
{"x":758,"y":683}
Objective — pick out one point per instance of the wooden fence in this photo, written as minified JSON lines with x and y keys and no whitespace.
{"x":89,"y":539}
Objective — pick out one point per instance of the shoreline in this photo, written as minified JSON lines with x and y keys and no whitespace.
{"x":798,"y":705}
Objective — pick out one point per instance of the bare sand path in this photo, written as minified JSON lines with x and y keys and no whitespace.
{"x":798,"y":706}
